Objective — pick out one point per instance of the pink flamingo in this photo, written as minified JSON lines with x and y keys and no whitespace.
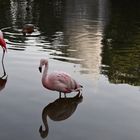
{"x":3,"y":44}
{"x":58,"y":81}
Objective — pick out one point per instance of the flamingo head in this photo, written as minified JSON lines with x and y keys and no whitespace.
{"x":43,"y":133}
{"x":42,"y":63}
{"x":3,"y":43}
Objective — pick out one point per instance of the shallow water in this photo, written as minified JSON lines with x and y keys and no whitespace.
{"x":94,"y":42}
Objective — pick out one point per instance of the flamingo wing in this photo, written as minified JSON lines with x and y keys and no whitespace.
{"x":62,"y":81}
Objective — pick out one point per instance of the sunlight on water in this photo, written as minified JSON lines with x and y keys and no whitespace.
{"x":86,"y":41}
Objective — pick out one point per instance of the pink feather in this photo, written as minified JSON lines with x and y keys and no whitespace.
{"x":2,"y":41}
{"x":58,"y":81}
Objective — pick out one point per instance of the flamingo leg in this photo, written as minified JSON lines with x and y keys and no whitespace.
{"x":59,"y":94}
{"x":3,"y":55}
{"x":65,"y":95}
{"x":3,"y":64}
{"x":79,"y":91}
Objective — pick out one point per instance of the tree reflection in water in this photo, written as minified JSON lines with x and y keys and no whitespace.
{"x":121,"y":51}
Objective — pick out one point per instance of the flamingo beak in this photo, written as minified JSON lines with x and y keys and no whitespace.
{"x":40,"y":69}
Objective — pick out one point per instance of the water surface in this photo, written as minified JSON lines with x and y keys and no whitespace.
{"x":98,"y":43}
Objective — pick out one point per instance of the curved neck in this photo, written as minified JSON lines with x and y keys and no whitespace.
{"x":44,"y":132}
{"x":44,"y":76}
{"x":44,"y":119}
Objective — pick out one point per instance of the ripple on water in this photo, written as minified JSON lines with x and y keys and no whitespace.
{"x":39,"y":42}
{"x":16,"y":41}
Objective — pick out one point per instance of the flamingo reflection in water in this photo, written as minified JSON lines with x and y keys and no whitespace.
{"x":59,"y":110}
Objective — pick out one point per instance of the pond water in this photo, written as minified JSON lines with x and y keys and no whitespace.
{"x":98,"y":43}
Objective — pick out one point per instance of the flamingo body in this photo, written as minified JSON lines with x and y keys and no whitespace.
{"x":2,"y":41}
{"x":58,"y":81}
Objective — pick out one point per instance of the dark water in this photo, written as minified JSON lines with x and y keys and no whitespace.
{"x":98,"y":43}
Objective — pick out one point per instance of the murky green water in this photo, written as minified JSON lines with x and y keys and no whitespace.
{"x":98,"y":43}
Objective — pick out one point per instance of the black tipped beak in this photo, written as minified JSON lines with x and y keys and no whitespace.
{"x":40,"y":69}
